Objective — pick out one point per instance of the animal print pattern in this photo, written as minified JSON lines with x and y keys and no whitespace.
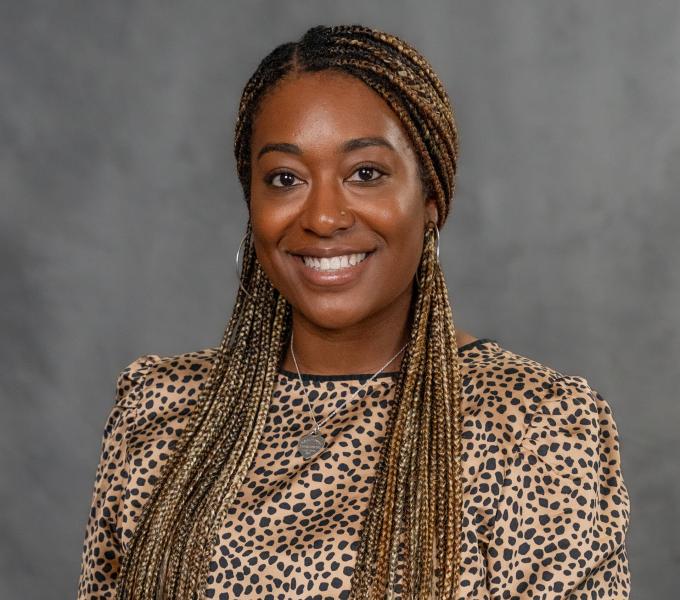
{"x":545,"y":511}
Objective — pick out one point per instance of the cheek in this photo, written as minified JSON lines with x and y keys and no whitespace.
{"x":271,"y":264}
{"x":265,"y":237}
{"x":411,"y":247}
{"x":403,"y":225}
{"x":272,"y":217}
{"x":404,"y":245}
{"x":268,"y":226}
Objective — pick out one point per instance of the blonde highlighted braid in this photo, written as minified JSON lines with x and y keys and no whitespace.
{"x":413,"y":523}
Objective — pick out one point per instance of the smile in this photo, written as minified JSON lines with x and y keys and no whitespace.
{"x":332,"y":271}
{"x":334,"y":263}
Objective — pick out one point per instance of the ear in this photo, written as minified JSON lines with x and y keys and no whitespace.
{"x":431,"y":211}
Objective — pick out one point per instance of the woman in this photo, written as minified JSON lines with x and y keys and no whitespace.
{"x":344,"y":440}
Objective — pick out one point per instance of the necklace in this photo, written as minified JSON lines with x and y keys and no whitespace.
{"x":313,"y":442}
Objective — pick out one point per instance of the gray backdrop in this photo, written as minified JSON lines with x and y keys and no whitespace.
{"x":121,"y":215}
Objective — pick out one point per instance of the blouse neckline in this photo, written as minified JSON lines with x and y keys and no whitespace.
{"x":481,"y":342}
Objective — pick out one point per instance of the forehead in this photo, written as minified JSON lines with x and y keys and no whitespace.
{"x":312,"y":109}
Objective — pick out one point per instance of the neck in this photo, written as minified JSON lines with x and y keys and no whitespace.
{"x":362,"y":347}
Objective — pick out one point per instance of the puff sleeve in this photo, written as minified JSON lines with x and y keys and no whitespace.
{"x":563,"y":512}
{"x":102,"y":548}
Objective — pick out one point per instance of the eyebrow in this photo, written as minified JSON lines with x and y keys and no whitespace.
{"x":348,"y":146}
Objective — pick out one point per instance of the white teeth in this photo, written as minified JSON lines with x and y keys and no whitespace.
{"x":334,"y":263}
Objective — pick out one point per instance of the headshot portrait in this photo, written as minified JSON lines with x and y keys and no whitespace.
{"x":341,"y":301}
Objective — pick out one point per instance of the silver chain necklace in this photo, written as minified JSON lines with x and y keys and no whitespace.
{"x":313,"y":442}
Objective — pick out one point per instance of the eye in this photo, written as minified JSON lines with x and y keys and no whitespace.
{"x":286,"y":179}
{"x":366,"y":173}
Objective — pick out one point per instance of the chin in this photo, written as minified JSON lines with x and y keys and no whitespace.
{"x":332,"y":318}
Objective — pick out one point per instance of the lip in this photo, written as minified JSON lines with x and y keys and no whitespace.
{"x":339,"y":277}
{"x":329,"y":252}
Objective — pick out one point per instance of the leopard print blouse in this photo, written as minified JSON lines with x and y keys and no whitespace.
{"x":545,"y":512}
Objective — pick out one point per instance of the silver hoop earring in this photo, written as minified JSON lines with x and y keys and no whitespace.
{"x":437,"y":232}
{"x":238,"y":270}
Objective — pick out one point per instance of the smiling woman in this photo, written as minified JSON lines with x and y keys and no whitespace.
{"x":406,"y":459}
{"x":345,"y":182}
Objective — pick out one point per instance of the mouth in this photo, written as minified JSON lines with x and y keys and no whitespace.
{"x":334,"y":263}
{"x":335,"y":270}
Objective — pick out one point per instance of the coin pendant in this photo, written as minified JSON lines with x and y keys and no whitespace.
{"x":310,"y":444}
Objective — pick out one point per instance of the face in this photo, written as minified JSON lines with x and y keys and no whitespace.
{"x":337,"y":207}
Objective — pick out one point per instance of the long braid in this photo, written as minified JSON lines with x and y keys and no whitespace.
{"x":412,"y":525}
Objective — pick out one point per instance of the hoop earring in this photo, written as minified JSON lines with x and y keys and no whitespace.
{"x":437,"y":232}
{"x":238,"y":270}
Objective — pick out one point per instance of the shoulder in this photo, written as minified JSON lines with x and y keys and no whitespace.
{"x":157,"y":373}
{"x":155,"y":397}
{"x":503,"y":389}
{"x":560,"y":493}
{"x":513,"y":404}
{"x":525,"y":417}
{"x":157,"y":394}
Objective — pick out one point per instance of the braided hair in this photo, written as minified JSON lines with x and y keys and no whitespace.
{"x":413,"y":522}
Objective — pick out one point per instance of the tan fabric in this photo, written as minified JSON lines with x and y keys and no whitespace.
{"x":546,"y":509}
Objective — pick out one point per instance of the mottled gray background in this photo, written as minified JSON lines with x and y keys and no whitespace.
{"x":121,"y":214}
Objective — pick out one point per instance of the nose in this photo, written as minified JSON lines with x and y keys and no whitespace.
{"x":325,"y":209}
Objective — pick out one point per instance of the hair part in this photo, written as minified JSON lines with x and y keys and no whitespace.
{"x":413,"y":522}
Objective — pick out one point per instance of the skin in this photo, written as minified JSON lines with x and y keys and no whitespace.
{"x":297,"y":199}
